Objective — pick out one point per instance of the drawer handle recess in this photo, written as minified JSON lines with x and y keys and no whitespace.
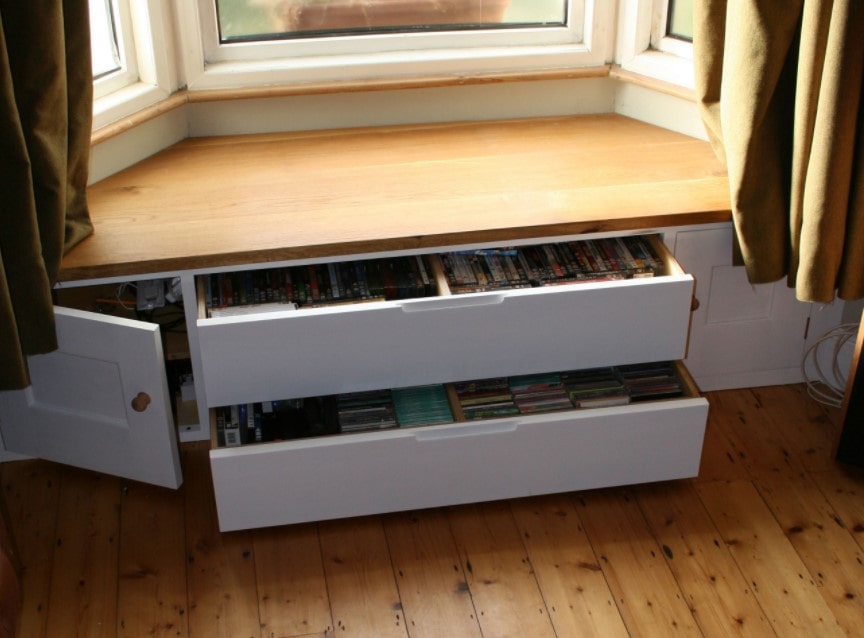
{"x":452,"y":302}
{"x":478,"y":429}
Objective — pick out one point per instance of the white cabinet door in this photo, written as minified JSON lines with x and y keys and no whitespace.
{"x":99,"y":402}
{"x":741,"y":335}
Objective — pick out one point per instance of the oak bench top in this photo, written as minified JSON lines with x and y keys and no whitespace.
{"x":223,"y":201}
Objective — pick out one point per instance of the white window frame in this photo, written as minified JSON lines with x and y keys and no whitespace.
{"x":643,"y":47}
{"x":149,"y":74}
{"x":168,"y":40}
{"x":210,"y":66}
{"x":128,"y":72}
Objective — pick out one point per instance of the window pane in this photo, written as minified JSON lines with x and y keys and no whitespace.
{"x":243,"y":20}
{"x":103,"y":39}
{"x":680,"y":20}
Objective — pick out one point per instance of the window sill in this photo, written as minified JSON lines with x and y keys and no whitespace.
{"x":407,"y":100}
{"x":392,"y":66}
{"x":138,"y":117}
{"x":154,"y":108}
{"x":398,"y":83}
{"x":126,"y":102}
{"x":653,"y":83}
{"x":150,"y":110}
{"x":665,"y":68}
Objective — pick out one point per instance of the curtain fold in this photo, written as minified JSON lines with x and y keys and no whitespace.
{"x":46,"y":97}
{"x":779,"y":84}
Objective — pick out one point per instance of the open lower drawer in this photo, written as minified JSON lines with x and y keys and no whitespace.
{"x":307,"y":352}
{"x":398,"y":469}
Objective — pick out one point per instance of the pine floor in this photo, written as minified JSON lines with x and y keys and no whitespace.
{"x":766,"y":541}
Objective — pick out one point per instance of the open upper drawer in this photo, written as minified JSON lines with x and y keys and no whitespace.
{"x":378,"y":344}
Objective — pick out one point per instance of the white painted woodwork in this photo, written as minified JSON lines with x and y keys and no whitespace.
{"x":391,"y":344}
{"x":741,"y":335}
{"x":207,"y":205}
{"x":401,"y":469}
{"x":319,"y":351}
{"x":79,"y":407}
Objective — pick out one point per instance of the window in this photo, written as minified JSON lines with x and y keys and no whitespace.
{"x":255,"y":42}
{"x":103,"y":37}
{"x":679,"y":23}
{"x":251,"y":20}
{"x":655,"y":39}
{"x":674,"y":31}
{"x":143,"y":47}
{"x":114,"y":61}
{"x":132,"y":63}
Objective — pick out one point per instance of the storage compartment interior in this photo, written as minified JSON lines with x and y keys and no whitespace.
{"x":551,"y":264}
{"x":441,"y":404}
{"x":317,"y":285}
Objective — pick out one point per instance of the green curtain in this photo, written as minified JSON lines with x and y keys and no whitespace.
{"x":779,"y":84}
{"x":46,"y":97}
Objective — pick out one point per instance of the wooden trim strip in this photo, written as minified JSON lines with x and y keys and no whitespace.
{"x":394,"y":84}
{"x":617,"y":73}
{"x":185,"y":96}
{"x":173,"y":101}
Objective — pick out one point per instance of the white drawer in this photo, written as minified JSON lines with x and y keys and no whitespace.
{"x":400,"y":469}
{"x":364,"y":346}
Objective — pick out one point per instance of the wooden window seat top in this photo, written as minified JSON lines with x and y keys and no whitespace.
{"x":222,"y":201}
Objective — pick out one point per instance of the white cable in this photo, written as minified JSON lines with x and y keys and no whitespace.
{"x":121,"y":290}
{"x":828,"y":390}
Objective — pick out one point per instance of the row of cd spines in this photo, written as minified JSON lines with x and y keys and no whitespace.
{"x":439,"y":404}
{"x":403,"y":277}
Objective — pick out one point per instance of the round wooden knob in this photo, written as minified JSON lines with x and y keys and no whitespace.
{"x":694,"y":304}
{"x":140,"y":402}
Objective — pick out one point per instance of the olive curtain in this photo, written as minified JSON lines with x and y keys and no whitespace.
{"x":46,"y":98}
{"x":779,"y":84}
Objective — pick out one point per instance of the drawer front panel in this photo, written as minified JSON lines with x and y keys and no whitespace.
{"x":414,"y":342}
{"x":353,"y":475}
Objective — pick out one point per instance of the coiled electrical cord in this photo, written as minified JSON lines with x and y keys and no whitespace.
{"x":828,"y":388}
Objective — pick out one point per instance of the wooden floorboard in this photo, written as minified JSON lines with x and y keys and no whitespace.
{"x":499,"y":573}
{"x":767,"y":540}
{"x":84,"y":575}
{"x":292,"y":590}
{"x":220,"y":575}
{"x":648,"y":596}
{"x":433,"y":587}
{"x":360,"y":579}
{"x":785,"y":589}
{"x":721,"y":599}
{"x":567,"y":569}
{"x":32,"y":493}
{"x":151,"y":596}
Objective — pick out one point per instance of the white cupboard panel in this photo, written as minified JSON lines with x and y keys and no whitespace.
{"x":742,"y":334}
{"x":99,"y":402}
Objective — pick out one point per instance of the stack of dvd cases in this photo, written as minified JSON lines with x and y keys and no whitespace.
{"x":550,"y":264}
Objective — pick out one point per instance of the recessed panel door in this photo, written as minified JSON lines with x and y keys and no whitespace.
{"x":99,"y":402}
